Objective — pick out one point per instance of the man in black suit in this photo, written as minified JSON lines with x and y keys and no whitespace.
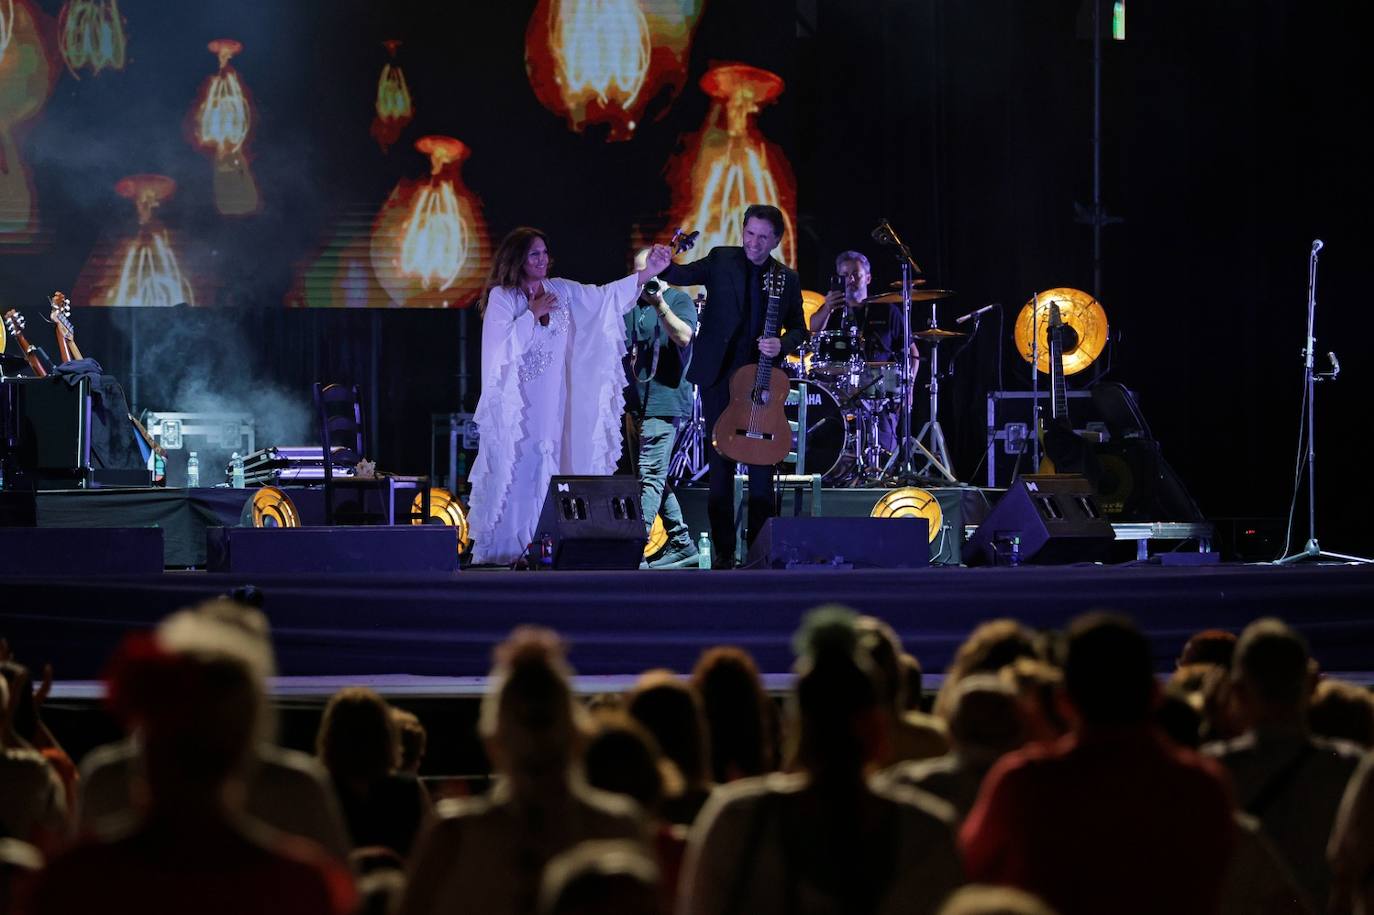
{"x":730,"y":336}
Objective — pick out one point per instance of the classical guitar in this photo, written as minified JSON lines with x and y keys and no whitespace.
{"x":61,"y":318}
{"x":1064,"y":450}
{"x":14,"y":323}
{"x":753,"y":429}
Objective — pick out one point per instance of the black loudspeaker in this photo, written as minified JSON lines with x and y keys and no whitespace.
{"x":863,"y":543}
{"x":591,"y":523}
{"x":367,"y":550}
{"x":76,"y":551}
{"x":1042,"y":519}
{"x":1135,"y":483}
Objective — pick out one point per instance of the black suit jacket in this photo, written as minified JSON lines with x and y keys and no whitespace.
{"x":725,"y":315}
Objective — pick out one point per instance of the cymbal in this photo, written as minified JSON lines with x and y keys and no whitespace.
{"x":936,"y":333}
{"x":897,"y":284}
{"x":917,"y":295}
{"x":1078,"y":310}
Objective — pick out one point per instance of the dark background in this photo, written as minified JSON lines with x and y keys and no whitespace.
{"x":1234,"y":135}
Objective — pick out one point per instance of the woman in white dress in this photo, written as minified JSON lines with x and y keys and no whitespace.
{"x":552,"y":388}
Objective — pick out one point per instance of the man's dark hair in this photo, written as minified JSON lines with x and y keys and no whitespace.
{"x":771,"y":214}
{"x":1273,"y":660}
{"x":1108,"y":671}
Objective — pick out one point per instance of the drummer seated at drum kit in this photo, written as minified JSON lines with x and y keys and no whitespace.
{"x":854,"y":343}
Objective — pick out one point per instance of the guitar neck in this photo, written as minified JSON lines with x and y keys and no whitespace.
{"x":1059,"y":407}
{"x":770,"y":329}
{"x":31,"y":354}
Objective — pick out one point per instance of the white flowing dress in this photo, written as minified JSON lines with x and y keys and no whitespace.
{"x":551,"y":403}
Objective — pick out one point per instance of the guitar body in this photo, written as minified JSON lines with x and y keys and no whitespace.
{"x":754,"y":429}
{"x":1064,"y":450}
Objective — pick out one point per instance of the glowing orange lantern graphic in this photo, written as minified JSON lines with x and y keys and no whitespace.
{"x":729,"y":165}
{"x":141,"y":269}
{"x":606,"y":61}
{"x":222,"y":121}
{"x":394,"y":105}
{"x":27,"y":76}
{"x":429,"y":242}
{"x":91,"y":34}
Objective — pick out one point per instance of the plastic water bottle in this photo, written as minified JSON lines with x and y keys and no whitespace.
{"x":704,"y":551}
{"x":236,"y":470}
{"x":192,"y":471}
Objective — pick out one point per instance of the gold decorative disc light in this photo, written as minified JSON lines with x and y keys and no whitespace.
{"x":443,"y":509}
{"x":1078,"y":310}
{"x":270,"y":507}
{"x":910,"y":502}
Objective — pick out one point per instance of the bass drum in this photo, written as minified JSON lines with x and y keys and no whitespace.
{"x":829,"y":432}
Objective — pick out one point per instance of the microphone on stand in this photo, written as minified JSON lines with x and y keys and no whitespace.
{"x":883,"y":233}
{"x":977,"y":312}
{"x":1335,"y":365}
{"x":1317,"y":245}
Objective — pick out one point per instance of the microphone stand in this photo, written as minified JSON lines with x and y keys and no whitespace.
{"x":1310,"y":377}
{"x":1035,"y":381}
{"x":937,"y":455}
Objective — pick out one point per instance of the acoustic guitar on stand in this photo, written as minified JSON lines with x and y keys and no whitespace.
{"x":14,"y":323}
{"x":61,"y":318}
{"x":754,"y":429}
{"x":1063,"y":449}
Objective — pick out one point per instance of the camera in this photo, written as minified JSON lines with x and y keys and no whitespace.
{"x":836,"y":283}
{"x":652,"y":287}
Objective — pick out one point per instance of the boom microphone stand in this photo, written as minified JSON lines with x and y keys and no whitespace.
{"x":906,"y":471}
{"x":1310,"y":378}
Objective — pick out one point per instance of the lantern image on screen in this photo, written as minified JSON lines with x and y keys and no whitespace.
{"x":91,"y":34}
{"x":609,"y":62}
{"x":142,"y":268}
{"x":27,"y":76}
{"x":394,"y":106}
{"x":429,"y":241}
{"x":729,"y":165}
{"x":223,"y":118}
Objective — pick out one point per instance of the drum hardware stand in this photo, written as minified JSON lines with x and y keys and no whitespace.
{"x":937,"y":456}
{"x":1310,"y":377}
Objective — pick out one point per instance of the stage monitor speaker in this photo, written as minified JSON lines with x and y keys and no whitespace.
{"x":592,"y":523}
{"x":1135,"y":483}
{"x":861,"y":543}
{"x":80,"y":551}
{"x":1046,"y":519}
{"x":366,"y":550}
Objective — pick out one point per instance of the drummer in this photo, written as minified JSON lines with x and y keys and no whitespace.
{"x":879,"y":325}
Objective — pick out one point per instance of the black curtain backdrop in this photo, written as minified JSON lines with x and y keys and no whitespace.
{"x":1233,"y":137}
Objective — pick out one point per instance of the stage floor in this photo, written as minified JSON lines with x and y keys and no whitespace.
{"x":620,"y":623}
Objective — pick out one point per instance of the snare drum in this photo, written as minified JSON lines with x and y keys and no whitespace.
{"x":829,"y":432}
{"x":835,"y":351}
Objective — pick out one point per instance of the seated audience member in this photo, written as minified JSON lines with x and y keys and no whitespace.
{"x":26,"y":729}
{"x":913,"y":676}
{"x":910,"y":735}
{"x":358,"y":744}
{"x":1342,"y":711}
{"x":1291,"y":781}
{"x":671,"y":712}
{"x":993,"y":900}
{"x":739,"y":715}
{"x":1037,"y":685}
{"x":1113,"y":817}
{"x":194,"y":693}
{"x":1210,"y":646}
{"x":622,"y":757}
{"x":1351,"y":851}
{"x":990,"y":647}
{"x":286,"y":789}
{"x":33,"y":806}
{"x":985,"y":724}
{"x":601,"y":878}
{"x":485,"y":855}
{"x":413,"y":738}
{"x":822,"y":839}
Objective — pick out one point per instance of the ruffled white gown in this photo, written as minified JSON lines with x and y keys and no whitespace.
{"x":551,"y":403}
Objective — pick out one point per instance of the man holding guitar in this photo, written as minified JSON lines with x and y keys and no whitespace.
{"x":731,"y":336}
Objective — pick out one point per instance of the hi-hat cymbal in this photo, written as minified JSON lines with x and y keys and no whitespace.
{"x":1079,"y":311}
{"x":917,"y":295}
{"x":936,"y":333}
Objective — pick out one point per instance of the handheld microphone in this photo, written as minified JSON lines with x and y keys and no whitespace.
{"x":1317,"y":245}
{"x":977,"y":312}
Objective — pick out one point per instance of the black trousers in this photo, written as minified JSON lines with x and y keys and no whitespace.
{"x":720,"y":504}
